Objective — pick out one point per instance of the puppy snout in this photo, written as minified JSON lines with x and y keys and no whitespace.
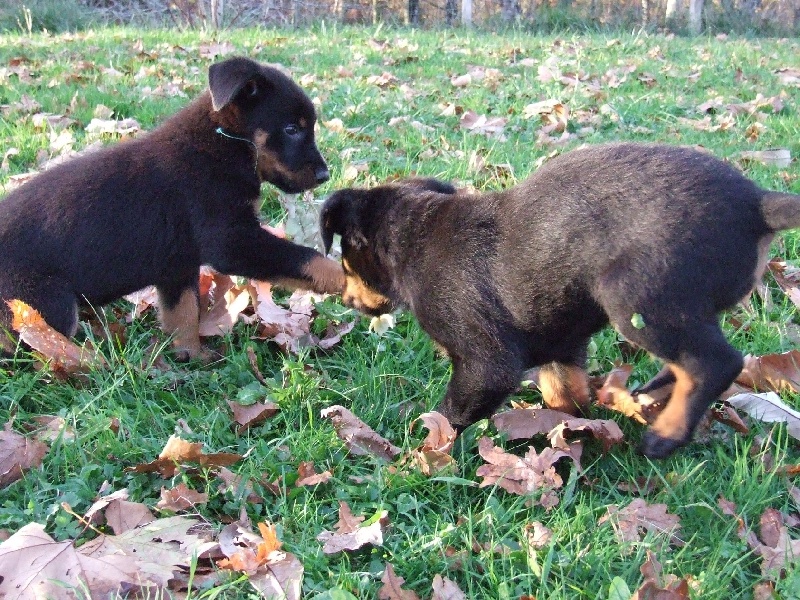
{"x":322,"y":174}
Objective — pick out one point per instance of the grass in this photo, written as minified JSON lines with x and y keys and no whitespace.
{"x":439,"y":525}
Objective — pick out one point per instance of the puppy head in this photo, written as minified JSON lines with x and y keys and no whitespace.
{"x":268,"y":109}
{"x":367,"y":284}
{"x":357,"y":215}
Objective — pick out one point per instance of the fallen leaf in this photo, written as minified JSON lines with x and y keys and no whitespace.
{"x":777,"y":550}
{"x":613,"y":395}
{"x":637,"y":518}
{"x":177,"y":452}
{"x":359,"y":438}
{"x":347,"y":523}
{"x":533,"y":473}
{"x":52,"y":428}
{"x":657,"y":586}
{"x":34,"y":566}
{"x":180,"y":498}
{"x":771,"y":372}
{"x":524,"y":423}
{"x":536,"y":535}
{"x":123,"y":516}
{"x":769,"y":408}
{"x":309,"y":477}
{"x":446,"y":589}
{"x":18,"y":454}
{"x":349,"y":538}
{"x":392,"y":586}
{"x":253,"y":414}
{"x":608,"y":432}
{"x":63,"y":355}
{"x":778,"y":157}
{"x":434,"y":454}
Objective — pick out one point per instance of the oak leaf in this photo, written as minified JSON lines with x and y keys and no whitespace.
{"x":18,"y":454}
{"x":608,"y":432}
{"x":657,"y":586}
{"x":434,"y":454}
{"x":392,"y":586}
{"x":178,"y":452}
{"x":631,"y":522}
{"x":523,"y":423}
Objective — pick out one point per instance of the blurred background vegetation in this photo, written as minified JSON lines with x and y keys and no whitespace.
{"x":755,"y":17}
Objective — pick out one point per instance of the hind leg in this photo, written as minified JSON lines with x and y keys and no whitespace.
{"x":702,"y":364}
{"x":179,"y":312}
{"x":565,"y":387}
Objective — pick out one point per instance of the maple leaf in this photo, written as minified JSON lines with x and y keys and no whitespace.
{"x":351,"y":533}
{"x":176,"y":452}
{"x":657,"y":586}
{"x":434,"y":454}
{"x":35,"y":566}
{"x":631,"y":522}
{"x":392,"y":586}
{"x":533,"y":473}
{"x":64,"y":356}
{"x":18,"y":454}
{"x":180,"y":498}
{"x":359,"y":438}
{"x":308,"y":476}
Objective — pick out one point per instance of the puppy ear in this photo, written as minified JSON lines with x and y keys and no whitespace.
{"x":429,"y":184}
{"x":339,"y":216}
{"x":229,"y":77}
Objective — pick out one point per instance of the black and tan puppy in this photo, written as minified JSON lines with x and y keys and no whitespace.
{"x":654,"y":239}
{"x":154,"y":209}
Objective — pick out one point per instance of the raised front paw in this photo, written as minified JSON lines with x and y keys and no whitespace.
{"x":326,"y":276}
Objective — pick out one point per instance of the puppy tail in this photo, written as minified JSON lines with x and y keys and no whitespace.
{"x":781,"y":210}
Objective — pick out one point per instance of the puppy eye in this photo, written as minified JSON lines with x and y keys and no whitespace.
{"x":291,"y":129}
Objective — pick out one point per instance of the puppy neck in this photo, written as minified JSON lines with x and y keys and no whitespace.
{"x":224,"y":133}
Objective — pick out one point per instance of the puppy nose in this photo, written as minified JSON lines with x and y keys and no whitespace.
{"x":322,"y":175}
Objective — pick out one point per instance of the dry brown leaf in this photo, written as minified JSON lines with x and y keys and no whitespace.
{"x":446,"y":589}
{"x":308,"y":476}
{"x":392,"y":586}
{"x":637,"y":518}
{"x":489,"y":126}
{"x":236,"y":484}
{"x":608,"y":432}
{"x":771,"y":372}
{"x":123,"y":516}
{"x":769,"y":408}
{"x":776,"y":157}
{"x":64,"y":356}
{"x":180,"y":498}
{"x":253,"y":414}
{"x":615,"y":396}
{"x":536,"y":535}
{"x":271,"y":571}
{"x":777,"y":550}
{"x":347,"y":523}
{"x":177,"y":452}
{"x":159,"y":547}
{"x":347,"y":538}
{"x":18,"y":454}
{"x":52,"y":428}
{"x":523,"y":423}
{"x":434,"y":454}
{"x":533,"y":473}
{"x":34,"y":566}
{"x":359,"y":438}
{"x":657,"y":586}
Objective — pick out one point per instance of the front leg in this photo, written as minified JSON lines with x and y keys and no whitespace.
{"x":478,"y":388}
{"x":250,"y":251}
{"x":179,"y":312}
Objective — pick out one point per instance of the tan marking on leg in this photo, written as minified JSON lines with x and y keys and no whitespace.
{"x":673,"y":422}
{"x":564,"y":388}
{"x":182,"y":321}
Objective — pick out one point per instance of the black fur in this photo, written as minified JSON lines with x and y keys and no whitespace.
{"x":154,"y":209}
{"x":510,"y":280}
